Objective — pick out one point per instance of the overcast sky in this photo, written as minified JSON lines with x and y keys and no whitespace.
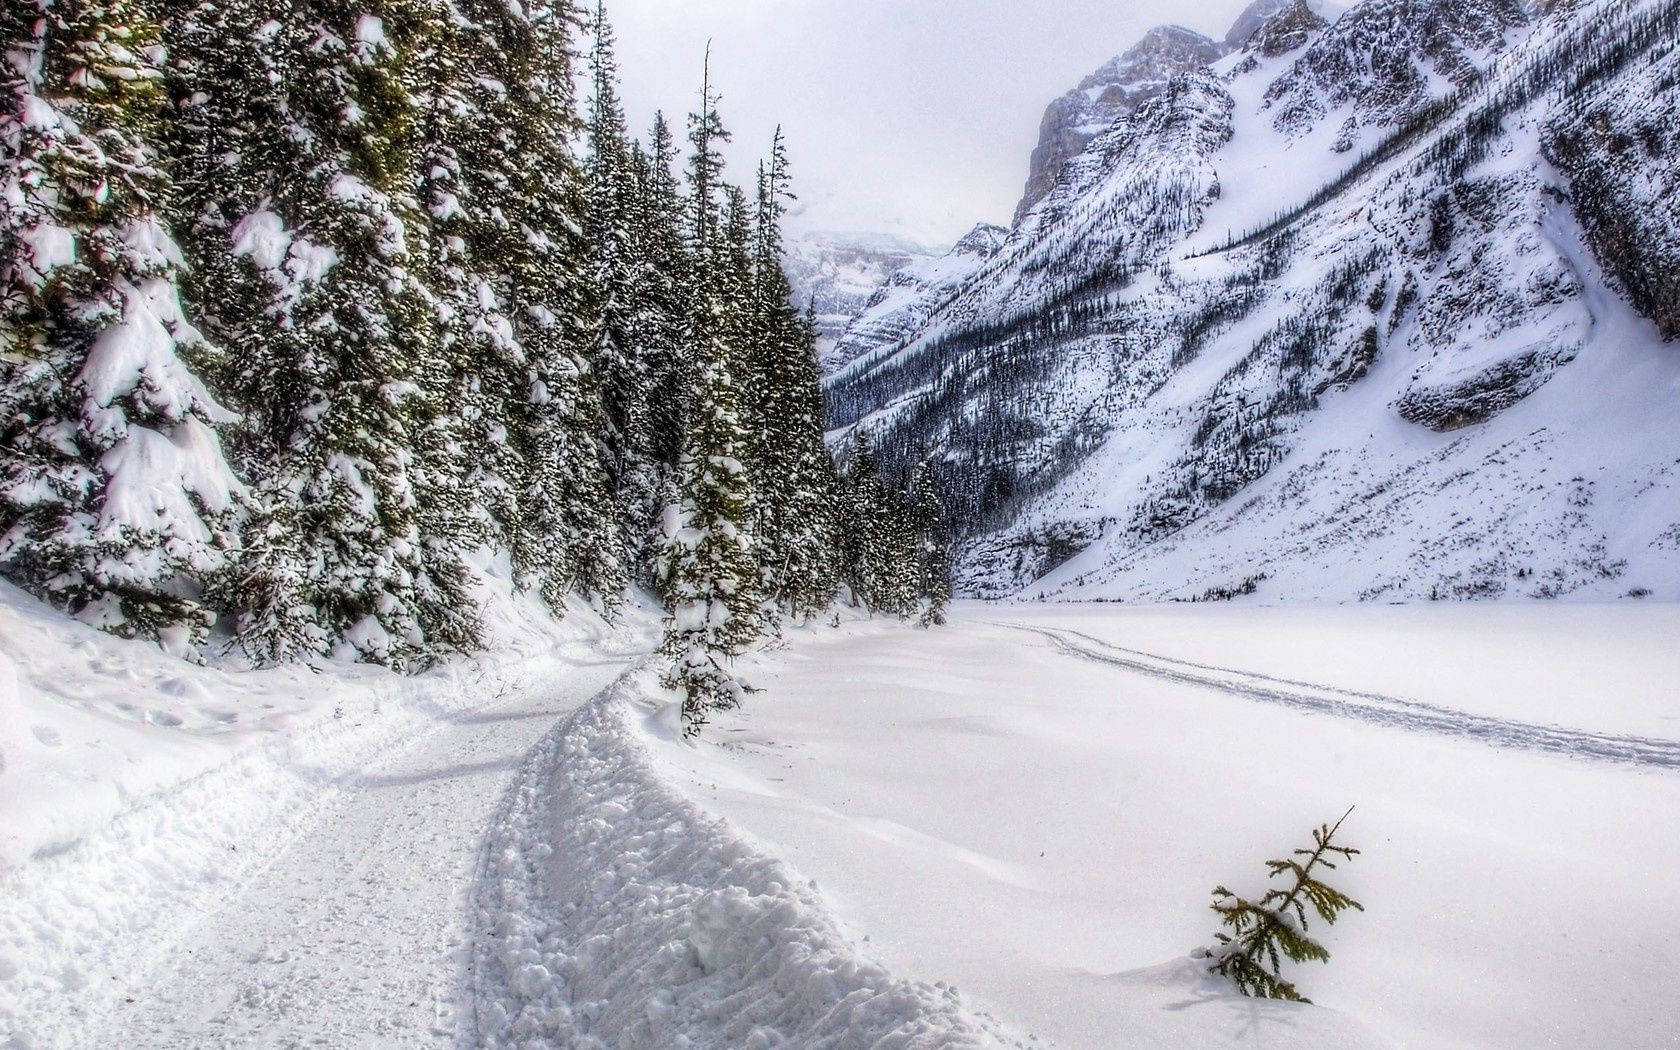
{"x":913,"y":117}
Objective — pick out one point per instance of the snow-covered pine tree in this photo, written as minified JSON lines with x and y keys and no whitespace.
{"x":708,"y":570}
{"x":933,"y":555}
{"x":794,"y":472}
{"x":633,"y":247}
{"x":709,"y":575}
{"x":661,"y":287}
{"x":878,"y":551}
{"x":573,"y":533}
{"x":504,"y":199}
{"x":326,"y":231}
{"x":610,"y":186}
{"x":115,"y":499}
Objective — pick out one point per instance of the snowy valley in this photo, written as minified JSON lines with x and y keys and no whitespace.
{"x":475,"y":576}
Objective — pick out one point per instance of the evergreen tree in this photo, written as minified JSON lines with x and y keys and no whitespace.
{"x":611,"y":191}
{"x":115,"y":501}
{"x":709,"y":576}
{"x":506,"y":200}
{"x":880,"y":563}
{"x":340,"y":410}
{"x":793,"y":469}
{"x":1265,"y":932}
{"x":709,"y":573}
{"x":634,"y":249}
{"x":932,"y":548}
{"x":661,"y":286}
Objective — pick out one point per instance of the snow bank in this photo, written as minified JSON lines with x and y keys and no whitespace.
{"x":621,"y":914}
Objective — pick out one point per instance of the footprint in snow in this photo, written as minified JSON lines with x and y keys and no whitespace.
{"x":47,"y":735}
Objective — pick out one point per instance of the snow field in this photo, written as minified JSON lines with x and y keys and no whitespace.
{"x":1043,"y":829}
{"x":621,"y":914}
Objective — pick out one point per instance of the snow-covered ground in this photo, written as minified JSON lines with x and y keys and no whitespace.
{"x":195,"y":856}
{"x":1034,"y":804}
{"x":1000,"y":832}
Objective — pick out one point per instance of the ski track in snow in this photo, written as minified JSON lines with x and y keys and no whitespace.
{"x":355,"y":934}
{"x":1375,"y":708}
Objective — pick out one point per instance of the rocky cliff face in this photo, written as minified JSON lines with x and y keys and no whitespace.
{"x":1114,"y":91}
{"x":1372,"y":309}
{"x":836,"y":274}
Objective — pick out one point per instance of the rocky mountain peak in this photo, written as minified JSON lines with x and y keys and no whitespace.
{"x":1116,"y":90}
{"x":985,"y":239}
{"x":1289,"y":28}
{"x":1253,"y":17}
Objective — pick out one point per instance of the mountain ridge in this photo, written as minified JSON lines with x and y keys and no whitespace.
{"x":1171,"y":333}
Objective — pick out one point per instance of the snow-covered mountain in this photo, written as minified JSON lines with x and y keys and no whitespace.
{"x":1377,"y":306}
{"x":836,"y":274}
{"x":1114,"y":91}
{"x":910,"y":295}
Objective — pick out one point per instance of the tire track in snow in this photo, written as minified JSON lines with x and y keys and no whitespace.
{"x":1394,"y":712}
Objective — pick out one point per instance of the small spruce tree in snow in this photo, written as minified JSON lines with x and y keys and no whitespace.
{"x":1261,"y":934}
{"x":115,"y":499}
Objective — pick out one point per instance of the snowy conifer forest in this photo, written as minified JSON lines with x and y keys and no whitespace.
{"x":295,"y":332}
{"x":489,"y":557}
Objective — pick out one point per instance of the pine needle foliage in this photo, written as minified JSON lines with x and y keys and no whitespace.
{"x":1263,"y":933}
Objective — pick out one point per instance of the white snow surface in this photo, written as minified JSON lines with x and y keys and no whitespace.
{"x":199,"y":856}
{"x":480,"y":856}
{"x":1035,"y":803}
{"x":624,"y":915}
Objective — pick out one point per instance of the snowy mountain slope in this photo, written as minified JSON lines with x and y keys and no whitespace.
{"x":837,"y":274}
{"x":1289,"y":327}
{"x":911,"y":295}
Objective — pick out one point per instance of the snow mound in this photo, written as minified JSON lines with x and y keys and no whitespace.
{"x":617,"y":913}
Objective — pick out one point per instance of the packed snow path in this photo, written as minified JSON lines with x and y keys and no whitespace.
{"x":1378,"y":708}
{"x":357,"y":934}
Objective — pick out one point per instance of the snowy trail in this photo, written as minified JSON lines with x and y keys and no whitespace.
{"x":1376,"y":708}
{"x":356,"y":934}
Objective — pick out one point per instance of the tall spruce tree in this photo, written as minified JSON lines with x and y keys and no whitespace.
{"x":933,"y":557}
{"x":794,"y":471}
{"x":326,"y":233}
{"x":633,"y":246}
{"x":115,"y":501}
{"x":709,"y":573}
{"x":661,"y":287}
{"x":506,"y":199}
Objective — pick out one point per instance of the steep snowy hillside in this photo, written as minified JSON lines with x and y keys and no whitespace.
{"x":836,"y":274}
{"x":1314,"y":324}
{"x":911,"y":295}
